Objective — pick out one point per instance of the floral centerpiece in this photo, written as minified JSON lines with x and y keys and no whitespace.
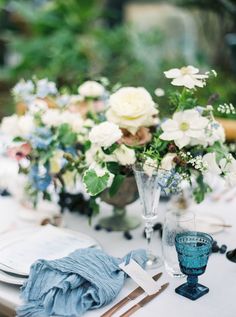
{"x":95,"y":137}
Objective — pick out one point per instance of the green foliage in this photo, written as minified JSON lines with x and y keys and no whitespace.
{"x":111,"y":149}
{"x":95,"y":184}
{"x":95,"y":207}
{"x":66,"y":135}
{"x":201,"y":190}
{"x":117,"y":182}
{"x":113,"y":167}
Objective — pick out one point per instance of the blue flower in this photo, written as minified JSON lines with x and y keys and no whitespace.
{"x":169,"y":181}
{"x":40,"y":179}
{"x":41,"y":139}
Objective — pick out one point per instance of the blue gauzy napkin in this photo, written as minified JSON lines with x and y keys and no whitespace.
{"x":86,"y":279}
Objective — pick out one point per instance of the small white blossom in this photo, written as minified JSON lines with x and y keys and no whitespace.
{"x":214,"y":132}
{"x":226,"y":108}
{"x":212,"y":167}
{"x":91,"y":89}
{"x":149,"y":166}
{"x":159,"y":92}
{"x":186,"y":76}
{"x":124,"y":155}
{"x":184,"y":126}
{"x":167,"y":162}
{"x":198,"y":163}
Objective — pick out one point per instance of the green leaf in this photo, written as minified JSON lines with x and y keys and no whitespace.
{"x":66,"y":135}
{"x":113,"y":167}
{"x":118,"y":180}
{"x":111,"y":149}
{"x":87,"y":145}
{"x":202,"y":189}
{"x":18,"y":139}
{"x":95,"y":208}
{"x":95,"y":184}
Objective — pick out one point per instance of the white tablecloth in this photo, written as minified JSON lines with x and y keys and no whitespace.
{"x":220,"y":275}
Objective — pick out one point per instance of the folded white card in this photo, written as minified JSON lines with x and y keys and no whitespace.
{"x":140,"y":276}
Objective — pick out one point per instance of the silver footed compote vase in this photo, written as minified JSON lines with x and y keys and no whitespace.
{"x":149,"y":193}
{"x":120,"y":220}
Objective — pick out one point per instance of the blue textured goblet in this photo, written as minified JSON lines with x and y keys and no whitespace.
{"x":193,"y":250}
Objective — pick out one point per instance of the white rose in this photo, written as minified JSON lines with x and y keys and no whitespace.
{"x":167,"y":162}
{"x":17,"y":125}
{"x":91,"y":89}
{"x":131,"y":108}
{"x":51,"y":118}
{"x":105,"y":134}
{"x":209,"y":160}
{"x":149,"y":166}
{"x":26,"y":124}
{"x":9,"y":125}
{"x":124,"y":155}
{"x":73,"y":119}
{"x":54,"y":118}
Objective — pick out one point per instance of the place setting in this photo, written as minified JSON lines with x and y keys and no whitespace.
{"x":117,"y":158}
{"x":113,"y":148}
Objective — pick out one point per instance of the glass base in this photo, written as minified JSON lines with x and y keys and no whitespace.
{"x":120,"y":223}
{"x":192,"y":293}
{"x":153,"y":262}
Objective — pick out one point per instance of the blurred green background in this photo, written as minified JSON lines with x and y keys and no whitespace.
{"x":131,"y":42}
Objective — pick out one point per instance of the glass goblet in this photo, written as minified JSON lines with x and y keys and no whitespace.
{"x":149,"y":193}
{"x":193,"y":250}
{"x":175,"y":222}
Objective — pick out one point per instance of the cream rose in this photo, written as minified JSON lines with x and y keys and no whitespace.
{"x":105,"y":134}
{"x":131,"y":108}
{"x":124,"y":155}
{"x":149,"y":166}
{"x":91,"y":89}
{"x":167,"y":162}
{"x":51,"y":117}
{"x":17,"y":125}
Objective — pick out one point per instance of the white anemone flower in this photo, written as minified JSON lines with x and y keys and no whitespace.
{"x":184,"y":126}
{"x":186,"y":76}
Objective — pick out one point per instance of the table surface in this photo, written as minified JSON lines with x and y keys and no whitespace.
{"x":220,"y":275}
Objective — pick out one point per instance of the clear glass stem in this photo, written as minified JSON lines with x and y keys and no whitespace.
{"x":149,"y":234}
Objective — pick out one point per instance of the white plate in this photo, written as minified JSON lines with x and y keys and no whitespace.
{"x":209,"y":223}
{"x":11,"y":279}
{"x":11,"y":252}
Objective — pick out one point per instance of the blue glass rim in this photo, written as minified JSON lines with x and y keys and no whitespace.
{"x":194,"y":234}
